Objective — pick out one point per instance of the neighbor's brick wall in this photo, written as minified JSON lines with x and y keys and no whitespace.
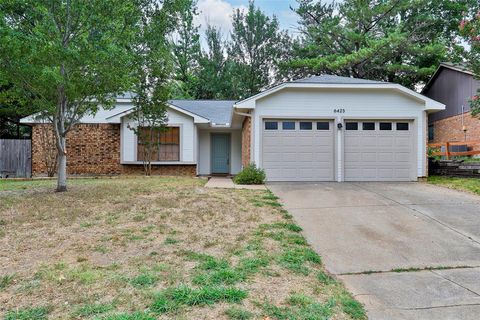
{"x":94,"y":149}
{"x":450,"y":129}
{"x":246,"y":140}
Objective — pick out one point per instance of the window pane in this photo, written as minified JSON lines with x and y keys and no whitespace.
{"x":351,"y":126}
{"x":402,"y":126}
{"x":165,"y":144}
{"x":305,"y":126}
{"x":323,"y":125}
{"x":271,"y":125}
{"x":288,"y":125}
{"x":368,"y":126}
{"x":431,"y":132}
{"x":385,"y":126}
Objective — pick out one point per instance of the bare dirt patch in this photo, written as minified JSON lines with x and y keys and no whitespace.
{"x":157,"y":248}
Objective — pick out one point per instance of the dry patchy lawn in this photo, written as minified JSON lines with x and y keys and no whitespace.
{"x":159,"y":248}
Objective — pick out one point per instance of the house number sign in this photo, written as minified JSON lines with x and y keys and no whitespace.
{"x":339,"y":110}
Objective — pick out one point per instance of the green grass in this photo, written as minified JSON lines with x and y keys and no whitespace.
{"x":463,"y":184}
{"x":5,"y":281}
{"x":325,"y":278}
{"x":212,"y":271}
{"x":127,"y":316}
{"x":38,"y":313}
{"x":144,"y":280}
{"x":300,"y":307}
{"x":295,"y":259}
{"x":236,"y":313}
{"x":171,"y":299}
{"x":170,"y":241}
{"x":93,"y":309}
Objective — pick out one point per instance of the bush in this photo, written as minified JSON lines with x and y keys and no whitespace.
{"x":250,"y":175}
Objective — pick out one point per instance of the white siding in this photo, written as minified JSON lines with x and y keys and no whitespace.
{"x":204,"y":150}
{"x":175,"y":118}
{"x":358,"y":104}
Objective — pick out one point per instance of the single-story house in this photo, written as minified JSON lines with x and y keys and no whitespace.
{"x":453,"y":85}
{"x":321,"y":128}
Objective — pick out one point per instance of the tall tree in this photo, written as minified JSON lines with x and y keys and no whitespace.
{"x":152,"y":69}
{"x":215,"y":69}
{"x":393,"y":40}
{"x":70,"y":56}
{"x":257,"y":45}
{"x":186,"y":49}
{"x":470,"y":30}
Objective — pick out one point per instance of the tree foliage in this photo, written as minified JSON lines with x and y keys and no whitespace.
{"x":400,"y":41}
{"x":186,"y":49}
{"x":68,"y":57}
{"x":153,"y":68}
{"x":256,"y":47}
{"x":215,"y":69}
{"x":470,"y":30}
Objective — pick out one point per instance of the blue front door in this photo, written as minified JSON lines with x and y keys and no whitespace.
{"x":220,"y":153}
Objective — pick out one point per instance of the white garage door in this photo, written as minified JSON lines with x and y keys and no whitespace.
{"x":298,"y":150}
{"x":379,"y":151}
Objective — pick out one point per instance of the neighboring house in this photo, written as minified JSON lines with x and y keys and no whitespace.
{"x":322,"y":128}
{"x":453,"y":85}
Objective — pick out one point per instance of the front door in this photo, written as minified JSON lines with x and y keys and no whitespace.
{"x":221,"y":153}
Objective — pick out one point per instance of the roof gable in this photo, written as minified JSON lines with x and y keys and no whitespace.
{"x":337,"y":82}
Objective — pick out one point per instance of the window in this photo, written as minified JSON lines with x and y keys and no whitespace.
{"x":271,"y":125}
{"x":305,"y":126}
{"x":402,"y":126}
{"x":431,"y":132}
{"x":288,"y":125}
{"x":323,"y":126}
{"x":385,"y":126}
{"x":368,"y":126}
{"x":351,"y":126}
{"x":165,"y":144}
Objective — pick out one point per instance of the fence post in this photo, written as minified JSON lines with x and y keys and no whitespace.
{"x":447,"y":150}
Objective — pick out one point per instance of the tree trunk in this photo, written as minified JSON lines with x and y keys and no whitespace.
{"x":62,"y":170}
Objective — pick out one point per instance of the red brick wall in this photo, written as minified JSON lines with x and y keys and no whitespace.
{"x":94,"y":149}
{"x":246,"y":140}
{"x":450,"y":129}
{"x":169,"y":170}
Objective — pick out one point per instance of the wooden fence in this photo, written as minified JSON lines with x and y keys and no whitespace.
{"x":473,"y":148}
{"x":15,"y":158}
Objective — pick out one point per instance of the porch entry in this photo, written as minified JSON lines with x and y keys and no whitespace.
{"x":220,"y":153}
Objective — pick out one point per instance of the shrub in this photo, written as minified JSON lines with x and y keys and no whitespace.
{"x":250,"y":175}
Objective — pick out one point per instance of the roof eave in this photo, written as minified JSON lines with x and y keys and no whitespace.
{"x":430,"y":104}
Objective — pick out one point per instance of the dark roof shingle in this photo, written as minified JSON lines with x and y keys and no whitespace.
{"x":217,"y":111}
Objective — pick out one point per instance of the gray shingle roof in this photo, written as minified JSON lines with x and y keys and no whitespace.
{"x":217,"y":111}
{"x":331,"y":79}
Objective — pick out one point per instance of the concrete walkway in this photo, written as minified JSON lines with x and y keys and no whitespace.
{"x":364,"y":231}
{"x":227,"y":183}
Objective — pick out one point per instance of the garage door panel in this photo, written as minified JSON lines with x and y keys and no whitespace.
{"x":379,"y":155}
{"x":402,"y":157}
{"x":385,"y":156}
{"x":298,"y":155}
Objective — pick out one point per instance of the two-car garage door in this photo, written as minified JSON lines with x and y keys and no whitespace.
{"x":304,"y":150}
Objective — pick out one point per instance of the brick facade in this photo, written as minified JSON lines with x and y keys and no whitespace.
{"x":246,"y":140}
{"x":451,"y":129}
{"x":94,"y":149}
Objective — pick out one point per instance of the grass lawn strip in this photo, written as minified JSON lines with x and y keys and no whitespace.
{"x":471,"y":185}
{"x":138,"y":249}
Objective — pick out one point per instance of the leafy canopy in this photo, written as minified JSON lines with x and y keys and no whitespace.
{"x":400,"y":41}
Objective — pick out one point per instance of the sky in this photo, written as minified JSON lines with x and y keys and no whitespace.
{"x":219,"y":12}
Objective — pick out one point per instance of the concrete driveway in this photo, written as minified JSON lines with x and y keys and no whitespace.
{"x":364,"y":231}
